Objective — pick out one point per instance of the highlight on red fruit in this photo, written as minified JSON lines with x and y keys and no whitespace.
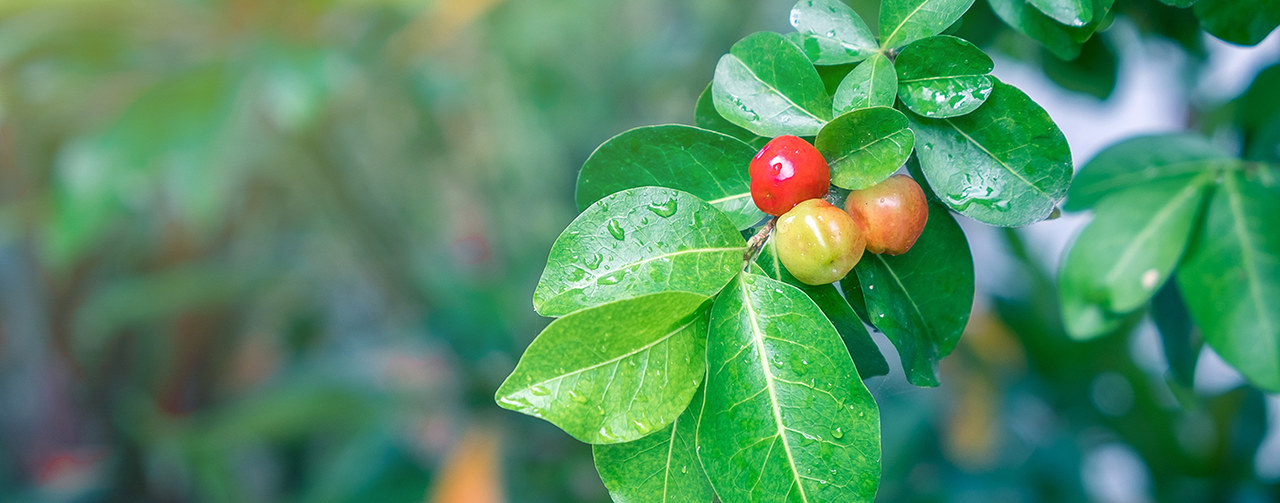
{"x":818,"y":243}
{"x":787,"y":171}
{"x":891,"y":214}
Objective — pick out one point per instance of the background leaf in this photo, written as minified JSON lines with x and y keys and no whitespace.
{"x":943,"y":76}
{"x":1242,"y":22}
{"x":639,"y":241}
{"x":766,"y":85}
{"x":873,"y":83}
{"x":606,"y":382}
{"x":1134,"y":243}
{"x":865,"y":146}
{"x":707,"y":164}
{"x":905,"y":21}
{"x":786,"y":416}
{"x":1004,"y":164}
{"x":1094,"y":72}
{"x":921,"y":299}
{"x":1232,"y":276}
{"x":661,"y":467}
{"x":1062,"y":40}
{"x":1141,"y":160}
{"x":1068,"y":12}
{"x":830,"y":33}
{"x":866,"y":355}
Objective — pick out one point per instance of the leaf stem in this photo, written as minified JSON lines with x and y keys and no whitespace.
{"x":756,"y":243}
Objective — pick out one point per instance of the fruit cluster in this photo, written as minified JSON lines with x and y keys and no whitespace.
{"x":818,"y":242}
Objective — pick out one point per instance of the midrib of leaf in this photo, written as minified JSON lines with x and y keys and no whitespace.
{"x":1160,"y":217}
{"x":666,"y":475}
{"x":904,"y":20}
{"x":631,"y":265}
{"x":1246,"y":255}
{"x":888,"y":137}
{"x":776,"y":90}
{"x":941,"y":77}
{"x":910,"y":300}
{"x":997,"y":159}
{"x":757,"y":338}
{"x":616,"y":359}
{"x":729,"y":198}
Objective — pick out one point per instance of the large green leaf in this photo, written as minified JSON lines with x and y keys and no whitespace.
{"x":706,"y":117}
{"x":1242,"y":22}
{"x":1062,"y":40}
{"x":865,"y":146}
{"x":905,"y":21}
{"x":873,"y":83}
{"x":943,"y":76}
{"x":1142,"y":160}
{"x":831,"y":33}
{"x":1068,"y":12}
{"x":866,"y":355}
{"x":1004,"y":164}
{"x":707,"y":164}
{"x":1231,"y":277}
{"x":661,"y":467}
{"x":921,"y":299}
{"x":1124,"y":256}
{"x":786,"y":417}
{"x":1095,"y":71}
{"x":766,"y":85}
{"x":639,"y":241}
{"x":616,"y":372}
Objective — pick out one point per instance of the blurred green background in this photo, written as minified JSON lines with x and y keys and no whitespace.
{"x":257,"y":250}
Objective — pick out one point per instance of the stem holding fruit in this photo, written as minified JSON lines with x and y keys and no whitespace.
{"x":756,"y":243}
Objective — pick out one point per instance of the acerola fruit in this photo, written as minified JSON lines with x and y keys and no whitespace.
{"x":818,"y":242}
{"x":891,"y":214}
{"x":785,"y":172}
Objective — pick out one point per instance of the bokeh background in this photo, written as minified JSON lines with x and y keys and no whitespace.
{"x":270,"y":250}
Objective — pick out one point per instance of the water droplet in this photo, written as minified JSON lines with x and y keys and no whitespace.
{"x":615,"y":229}
{"x":664,"y":210}
{"x":684,"y":469}
{"x":611,"y":278}
{"x":838,"y":432}
{"x":576,"y":397}
{"x":539,"y":390}
{"x":594,"y":261}
{"x":871,"y":287}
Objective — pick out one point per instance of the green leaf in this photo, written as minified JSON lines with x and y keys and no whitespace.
{"x":943,"y":76}
{"x":1232,"y":277}
{"x":865,"y":146}
{"x":830,"y":33}
{"x":873,"y":83}
{"x":786,"y":417}
{"x":767,"y":86}
{"x":866,"y":355}
{"x":905,"y":21}
{"x":921,"y":299}
{"x":1181,"y":350}
{"x":1182,"y":4}
{"x":616,"y":372}
{"x":635,"y":242}
{"x":1004,"y":164}
{"x":1241,"y":22}
{"x":1142,"y":160}
{"x":1094,"y":72}
{"x":1063,"y":41}
{"x":1136,"y":239}
{"x":661,"y":467}
{"x":706,"y":117}
{"x":707,"y":164}
{"x":1068,"y":12}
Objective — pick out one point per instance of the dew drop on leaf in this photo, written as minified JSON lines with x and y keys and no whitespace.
{"x":539,"y":390}
{"x":594,"y":261}
{"x":576,"y":397}
{"x":664,"y":210}
{"x":615,"y":229}
{"x":837,"y":433}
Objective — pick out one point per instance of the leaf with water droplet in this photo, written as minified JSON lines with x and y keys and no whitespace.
{"x":921,"y":299}
{"x":646,"y":469}
{"x":905,"y":21}
{"x":831,"y":33}
{"x":983,"y":158}
{"x":577,"y":373}
{"x":873,"y":83}
{"x":865,"y":146}
{"x":766,"y":424}
{"x":767,"y":86}
{"x":704,"y":163}
{"x":943,"y":76}
{"x":637,"y":258}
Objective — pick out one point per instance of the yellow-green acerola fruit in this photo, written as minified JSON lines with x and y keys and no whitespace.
{"x":818,"y":243}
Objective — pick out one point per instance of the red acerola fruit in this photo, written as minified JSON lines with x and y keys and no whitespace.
{"x":818,"y":242}
{"x":891,"y":214}
{"x":787,"y":171}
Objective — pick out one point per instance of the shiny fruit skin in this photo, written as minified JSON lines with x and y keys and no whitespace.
{"x":818,"y":242}
{"x":787,"y":171}
{"x":891,"y":214}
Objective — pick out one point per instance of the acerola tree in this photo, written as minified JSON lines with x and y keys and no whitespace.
{"x":700,"y":363}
